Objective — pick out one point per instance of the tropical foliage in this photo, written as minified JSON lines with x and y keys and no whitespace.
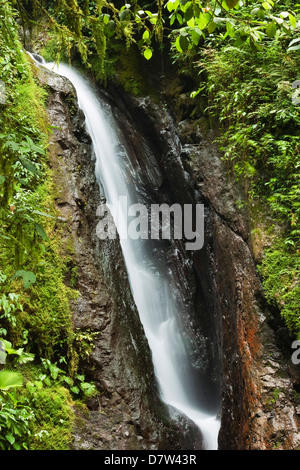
{"x":35,"y":324}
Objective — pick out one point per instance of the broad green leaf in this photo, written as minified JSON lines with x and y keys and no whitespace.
{"x":185,"y":6}
{"x":278,"y":20}
{"x":147,"y":53}
{"x":39,"y":229}
{"x":146,"y":35}
{"x":10,"y":379}
{"x":294,"y":48}
{"x":195,"y":37}
{"x":170,"y":6}
{"x":271,"y":30}
{"x":29,"y":165}
{"x":232,"y":3}
{"x":202,"y":21}
{"x":218,"y":20}
{"x":177,"y":44}
{"x":266,"y":6}
{"x":211,"y":27}
{"x":8,"y":346}
{"x":124,"y":15}
{"x":230,"y":30}
{"x":189,"y":13}
{"x":292,"y":20}
{"x":293,"y":42}
{"x":284,"y":14}
{"x":240,"y":40}
{"x":184,"y":32}
{"x":2,"y":179}
{"x":10,"y":438}
{"x":106,"y":18}
{"x":179,"y":18}
{"x":224,"y":5}
{"x":191,"y":22}
{"x":68,"y":380}
{"x":110,"y":28}
{"x":28,"y":277}
{"x":184,"y":43}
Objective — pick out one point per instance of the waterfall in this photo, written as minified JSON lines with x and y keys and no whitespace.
{"x":155,"y":300}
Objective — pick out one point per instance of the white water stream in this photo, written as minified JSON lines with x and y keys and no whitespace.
{"x":154,"y":300}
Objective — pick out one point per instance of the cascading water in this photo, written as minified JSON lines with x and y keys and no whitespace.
{"x":155,"y":300}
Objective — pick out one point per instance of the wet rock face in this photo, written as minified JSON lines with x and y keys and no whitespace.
{"x":150,"y":138}
{"x":241,"y":364}
{"x":258,"y":379}
{"x":259,"y":410}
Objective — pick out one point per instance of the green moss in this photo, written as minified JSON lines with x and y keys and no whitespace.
{"x":40,"y":321}
{"x":53,"y":49}
{"x":54,"y":418}
{"x":133,"y":74}
{"x":280,"y":270}
{"x":31,"y":103}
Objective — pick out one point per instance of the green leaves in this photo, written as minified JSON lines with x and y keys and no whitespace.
{"x":232,"y":3}
{"x":229,"y":19}
{"x":125,"y":15}
{"x":10,"y":438}
{"x":9,"y":306}
{"x":148,"y":53}
{"x":28,"y":164}
{"x":293,"y":20}
{"x":294,"y":45}
{"x":203,"y":20}
{"x":10,"y":379}
{"x":15,"y":418}
{"x":22,"y":357}
{"x":271,"y":30}
{"x":78,"y":385}
{"x":182,"y":42}
{"x":88,"y":389}
{"x":29,"y":278}
{"x":41,"y":232}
